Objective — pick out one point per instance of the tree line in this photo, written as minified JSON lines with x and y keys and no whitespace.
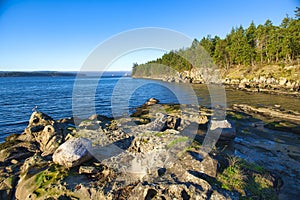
{"x":255,"y":45}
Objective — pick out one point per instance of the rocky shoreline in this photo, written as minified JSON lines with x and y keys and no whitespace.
{"x":280,"y":86}
{"x":265,"y":84}
{"x":156,"y":153}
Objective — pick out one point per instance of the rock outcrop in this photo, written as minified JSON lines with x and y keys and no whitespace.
{"x":155,"y":153}
{"x":48,"y":133}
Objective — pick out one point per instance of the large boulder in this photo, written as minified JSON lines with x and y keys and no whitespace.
{"x":73,"y":152}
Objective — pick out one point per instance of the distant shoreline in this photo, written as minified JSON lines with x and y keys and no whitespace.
{"x":35,"y":74}
{"x":60,"y":74}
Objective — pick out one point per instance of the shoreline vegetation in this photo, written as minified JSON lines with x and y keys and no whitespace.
{"x":262,"y":58}
{"x":125,"y":158}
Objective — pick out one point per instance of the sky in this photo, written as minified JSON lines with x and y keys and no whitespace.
{"x":59,"y":35}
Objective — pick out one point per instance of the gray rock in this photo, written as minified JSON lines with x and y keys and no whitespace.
{"x":282,"y":81}
{"x":214,"y":124}
{"x":151,"y":101}
{"x":197,"y":161}
{"x":49,"y":140}
{"x":73,"y":152}
{"x":19,"y":151}
{"x":228,"y":129}
{"x":87,"y":170}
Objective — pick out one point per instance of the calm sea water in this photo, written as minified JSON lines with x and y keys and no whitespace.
{"x":54,"y":95}
{"x":57,"y":97}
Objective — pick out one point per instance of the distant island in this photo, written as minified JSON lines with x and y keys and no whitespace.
{"x":59,"y":74}
{"x":35,"y":74}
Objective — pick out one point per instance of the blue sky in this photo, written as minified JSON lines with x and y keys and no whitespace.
{"x":59,"y":35}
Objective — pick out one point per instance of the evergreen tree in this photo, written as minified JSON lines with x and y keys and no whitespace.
{"x":250,"y":35}
{"x":263,"y":44}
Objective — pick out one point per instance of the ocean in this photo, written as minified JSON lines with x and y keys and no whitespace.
{"x":62,"y":97}
{"x":111,"y":96}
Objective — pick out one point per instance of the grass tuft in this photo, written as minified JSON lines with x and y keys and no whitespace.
{"x":233,"y":177}
{"x":249,"y":179}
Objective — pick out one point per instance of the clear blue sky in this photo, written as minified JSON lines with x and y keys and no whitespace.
{"x":59,"y":35}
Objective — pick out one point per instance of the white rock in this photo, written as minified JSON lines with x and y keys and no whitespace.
{"x":73,"y":152}
{"x":214,"y":124}
{"x":228,"y":129}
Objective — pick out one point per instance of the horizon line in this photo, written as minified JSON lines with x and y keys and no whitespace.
{"x":64,"y":71}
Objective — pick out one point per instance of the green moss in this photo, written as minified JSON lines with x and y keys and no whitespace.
{"x":195,"y":145}
{"x":178,"y":140}
{"x":47,"y":178}
{"x":145,"y":140}
{"x":160,"y":134}
{"x":87,"y":121}
{"x":171,"y":108}
{"x":236,"y":115}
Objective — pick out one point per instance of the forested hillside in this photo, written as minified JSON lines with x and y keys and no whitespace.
{"x":256,"y":45}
